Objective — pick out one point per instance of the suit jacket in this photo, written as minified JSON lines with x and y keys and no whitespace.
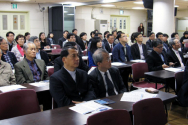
{"x":104,"y":40}
{"x":171,"y":57}
{"x":149,"y":45}
{"x":64,"y":89}
{"x":11,"y":56}
{"x":107,"y":47}
{"x":155,"y":62}
{"x":136,"y":52}
{"x":58,"y":64}
{"x":44,"y":57}
{"x":61,"y":40}
{"x":23,"y":73}
{"x":166,"y":48}
{"x":48,"y":40}
{"x":80,"y":42}
{"x":119,"y":54}
{"x":98,"y":84}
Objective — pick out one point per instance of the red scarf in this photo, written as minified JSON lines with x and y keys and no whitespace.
{"x":20,"y":49}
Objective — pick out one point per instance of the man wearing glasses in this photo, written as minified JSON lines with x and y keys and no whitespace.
{"x":106,"y":80}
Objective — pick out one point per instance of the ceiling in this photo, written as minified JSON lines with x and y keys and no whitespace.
{"x":127,"y":4}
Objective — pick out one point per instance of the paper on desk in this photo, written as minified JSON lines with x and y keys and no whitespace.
{"x":40,"y":84}
{"x":11,"y":88}
{"x":118,"y":64}
{"x":138,"y":60}
{"x":173,"y":69}
{"x":87,"y":107}
{"x":92,"y":68}
{"x":110,"y":54}
{"x":84,"y":57}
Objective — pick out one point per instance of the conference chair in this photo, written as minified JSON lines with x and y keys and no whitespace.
{"x":50,"y":71}
{"x":110,"y":117}
{"x":56,"y":46}
{"x":178,"y":81}
{"x":138,"y":70}
{"x":17,"y":103}
{"x":149,"y":112}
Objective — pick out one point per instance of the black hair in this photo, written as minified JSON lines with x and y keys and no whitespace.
{"x":92,"y":32}
{"x":106,"y":32}
{"x":27,"y":33}
{"x":10,"y":32}
{"x":156,"y":42}
{"x":99,"y":33}
{"x":136,"y":34}
{"x":73,"y":30}
{"x":173,"y":35}
{"x":114,"y":31}
{"x":49,"y":35}
{"x":119,"y":32}
{"x":96,"y":31}
{"x":40,"y":36}
{"x":19,"y":36}
{"x":69,"y":35}
{"x":94,"y":42}
{"x":165,"y":35}
{"x":82,"y":34}
{"x":65,"y":31}
{"x":65,"y":52}
{"x":109,"y":35}
{"x":159,"y":33}
{"x":185,"y":33}
{"x":151,"y":33}
{"x":133,"y":37}
{"x":96,"y":34}
{"x":119,"y":35}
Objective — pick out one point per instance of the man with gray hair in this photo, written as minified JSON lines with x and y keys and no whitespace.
{"x":173,"y":55}
{"x":106,"y":80}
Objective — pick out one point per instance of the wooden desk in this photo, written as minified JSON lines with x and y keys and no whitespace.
{"x":65,"y":116}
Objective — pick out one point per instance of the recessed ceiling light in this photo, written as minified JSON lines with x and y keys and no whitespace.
{"x":138,"y":8}
{"x":140,"y":2}
{"x":109,"y":1}
{"x":70,"y":14}
{"x":176,"y":6}
{"x":107,"y":5}
{"x":21,"y":0}
{"x":73,"y":3}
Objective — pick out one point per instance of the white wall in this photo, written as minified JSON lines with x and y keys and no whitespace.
{"x":35,"y":16}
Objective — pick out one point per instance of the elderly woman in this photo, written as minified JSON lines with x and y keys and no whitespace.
{"x":6,"y":74}
{"x":18,"y":49}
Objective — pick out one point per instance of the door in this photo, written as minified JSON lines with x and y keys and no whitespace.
{"x":16,"y":22}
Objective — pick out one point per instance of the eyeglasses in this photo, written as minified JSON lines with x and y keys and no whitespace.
{"x":4,"y":43}
{"x":160,"y":47}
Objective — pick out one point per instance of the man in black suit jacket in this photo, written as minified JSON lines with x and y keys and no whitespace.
{"x":138,"y":50}
{"x":156,"y":60}
{"x":105,"y":37}
{"x":106,"y":80}
{"x":7,"y":56}
{"x":70,"y":85}
{"x":173,"y":55}
{"x":149,"y":42}
{"x":109,"y":45}
{"x":64,"y":38}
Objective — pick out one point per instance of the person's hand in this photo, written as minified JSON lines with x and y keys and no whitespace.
{"x":47,"y":47}
{"x":76,"y":102}
{"x":171,"y":64}
{"x":183,"y":42}
{"x":165,"y":66}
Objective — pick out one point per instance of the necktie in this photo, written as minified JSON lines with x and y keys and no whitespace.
{"x":179,"y":58}
{"x":111,"y":47}
{"x":37,"y":78}
{"x":110,"y":86}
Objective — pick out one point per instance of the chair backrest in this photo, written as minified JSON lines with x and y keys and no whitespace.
{"x":57,"y":46}
{"x":149,"y":112}
{"x":50,"y":71}
{"x":110,"y":117}
{"x":178,"y":80}
{"x":138,"y":70}
{"x":56,"y":50}
{"x":17,"y":103}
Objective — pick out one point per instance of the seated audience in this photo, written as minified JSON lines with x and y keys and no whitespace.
{"x":95,"y":44}
{"x":27,"y":36}
{"x":30,"y":69}
{"x":7,"y":76}
{"x":63,"y":39}
{"x":156,"y":60}
{"x":109,"y":45}
{"x":40,"y":54}
{"x":165,"y":40}
{"x":18,"y":49}
{"x":105,"y":37}
{"x":58,"y":63}
{"x":149,"y":42}
{"x":184,"y":37}
{"x":159,"y":36}
{"x":92,"y":34}
{"x":175,"y":35}
{"x":7,"y":56}
{"x":50,"y":38}
{"x":132,"y":41}
{"x":44,"y":43}
{"x":122,"y":51}
{"x":70,"y":85}
{"x":83,"y":36}
{"x":99,"y":36}
{"x":173,"y":55}
{"x":106,"y":80}
{"x":138,"y":50}
{"x":78,"y":39}
{"x":10,"y":40}
{"x":96,"y":31}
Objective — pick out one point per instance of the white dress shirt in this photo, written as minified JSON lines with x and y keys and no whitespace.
{"x":179,"y":57}
{"x":72,"y":73}
{"x":141,"y":51}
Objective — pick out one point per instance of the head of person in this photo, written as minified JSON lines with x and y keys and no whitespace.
{"x":75,"y":31}
{"x":95,"y":44}
{"x":133,"y":37}
{"x":27,"y":35}
{"x":159,"y":35}
{"x":122,"y":37}
{"x":119,"y":32}
{"x":102,"y":59}
{"x":141,"y":24}
{"x":157,"y":45}
{"x":110,"y":38}
{"x":83,"y":36}
{"x":20,"y":39}
{"x":106,"y":33}
{"x":70,"y":58}
{"x":174,"y":43}
{"x":3,"y":44}
{"x":185,"y":34}
{"x":65,"y":34}
{"x":175,"y":35}
{"x":92,"y":34}
{"x":10,"y":36}
{"x":114,"y":33}
{"x":100,"y":35}
{"x":152,"y":36}
{"x":165,"y":37}
{"x":138,"y":37}
{"x":50,"y":35}
{"x":36,"y":41}
{"x":96,"y":31}
{"x":68,"y":44}
{"x":42,"y":36}
{"x":71,"y":37}
{"x":29,"y":50}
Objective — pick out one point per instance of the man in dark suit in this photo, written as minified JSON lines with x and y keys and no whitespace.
{"x":105,"y":37}
{"x":149,"y":42}
{"x":7,"y":56}
{"x":58,"y":63}
{"x":159,"y":36}
{"x":83,"y":36}
{"x":78,"y":39}
{"x":173,"y":55}
{"x":70,"y":84}
{"x":109,"y":45}
{"x":106,"y":80}
{"x":138,"y":50}
{"x":156,"y":60}
{"x":64,"y":38}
